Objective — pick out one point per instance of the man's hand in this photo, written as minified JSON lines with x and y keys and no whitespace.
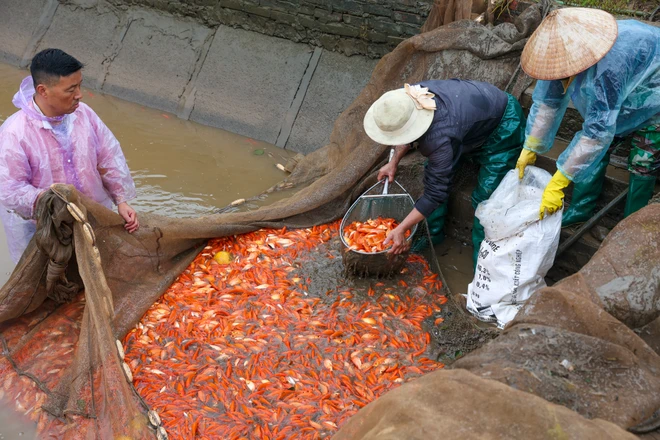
{"x":398,"y":240}
{"x":388,"y":170}
{"x":397,"y":236}
{"x":129,"y":216}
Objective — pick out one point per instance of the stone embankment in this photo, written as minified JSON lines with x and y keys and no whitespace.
{"x":272,"y":70}
{"x":352,"y":27}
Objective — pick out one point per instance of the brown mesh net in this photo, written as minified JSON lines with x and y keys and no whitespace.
{"x":64,"y":342}
{"x":447,"y":11}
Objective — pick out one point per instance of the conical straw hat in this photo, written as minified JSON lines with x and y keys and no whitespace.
{"x":568,"y":41}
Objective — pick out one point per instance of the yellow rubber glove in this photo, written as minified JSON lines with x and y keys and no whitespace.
{"x":526,"y":157}
{"x":553,"y":196}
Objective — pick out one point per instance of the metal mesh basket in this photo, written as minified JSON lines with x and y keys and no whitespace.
{"x":396,"y":204}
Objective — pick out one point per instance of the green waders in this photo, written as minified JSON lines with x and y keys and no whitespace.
{"x":643,"y":164}
{"x":496,"y":157}
{"x":585,"y":195}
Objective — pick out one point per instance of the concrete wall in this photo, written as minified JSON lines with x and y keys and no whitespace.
{"x":258,"y":86}
{"x":365,"y":27}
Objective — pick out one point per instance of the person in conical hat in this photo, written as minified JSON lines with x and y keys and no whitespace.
{"x":450,"y":120}
{"x":611,"y":71}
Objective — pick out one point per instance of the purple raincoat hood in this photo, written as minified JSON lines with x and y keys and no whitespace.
{"x":23,"y":99}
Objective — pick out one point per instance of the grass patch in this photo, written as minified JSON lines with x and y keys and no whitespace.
{"x":612,"y":6}
{"x":617,"y":7}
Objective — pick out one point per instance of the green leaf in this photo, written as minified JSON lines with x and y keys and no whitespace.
{"x":258,"y":152}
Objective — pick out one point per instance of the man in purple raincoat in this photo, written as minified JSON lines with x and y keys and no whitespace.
{"x":55,"y":138}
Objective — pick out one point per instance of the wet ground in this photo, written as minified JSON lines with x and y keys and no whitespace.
{"x":455,"y":260}
{"x":180,"y":168}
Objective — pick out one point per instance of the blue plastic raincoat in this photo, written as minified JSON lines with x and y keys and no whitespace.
{"x":616,"y":96}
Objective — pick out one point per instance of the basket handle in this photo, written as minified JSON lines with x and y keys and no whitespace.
{"x":387,"y":180}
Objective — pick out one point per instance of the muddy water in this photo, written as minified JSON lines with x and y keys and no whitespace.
{"x":455,"y":261}
{"x":13,"y":426}
{"x":180,"y":168}
{"x":6,"y":265}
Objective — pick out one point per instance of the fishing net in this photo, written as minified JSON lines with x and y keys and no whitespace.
{"x":447,"y":11}
{"x":63,"y":341}
{"x":396,"y":204}
{"x":456,"y":404}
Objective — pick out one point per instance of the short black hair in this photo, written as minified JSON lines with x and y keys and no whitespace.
{"x":50,"y":64}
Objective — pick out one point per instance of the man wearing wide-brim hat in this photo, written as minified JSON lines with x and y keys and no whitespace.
{"x":611,"y":71}
{"x":450,"y":120}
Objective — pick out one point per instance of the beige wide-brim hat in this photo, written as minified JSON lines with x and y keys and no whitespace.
{"x":394,"y":119}
{"x":568,"y":41}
